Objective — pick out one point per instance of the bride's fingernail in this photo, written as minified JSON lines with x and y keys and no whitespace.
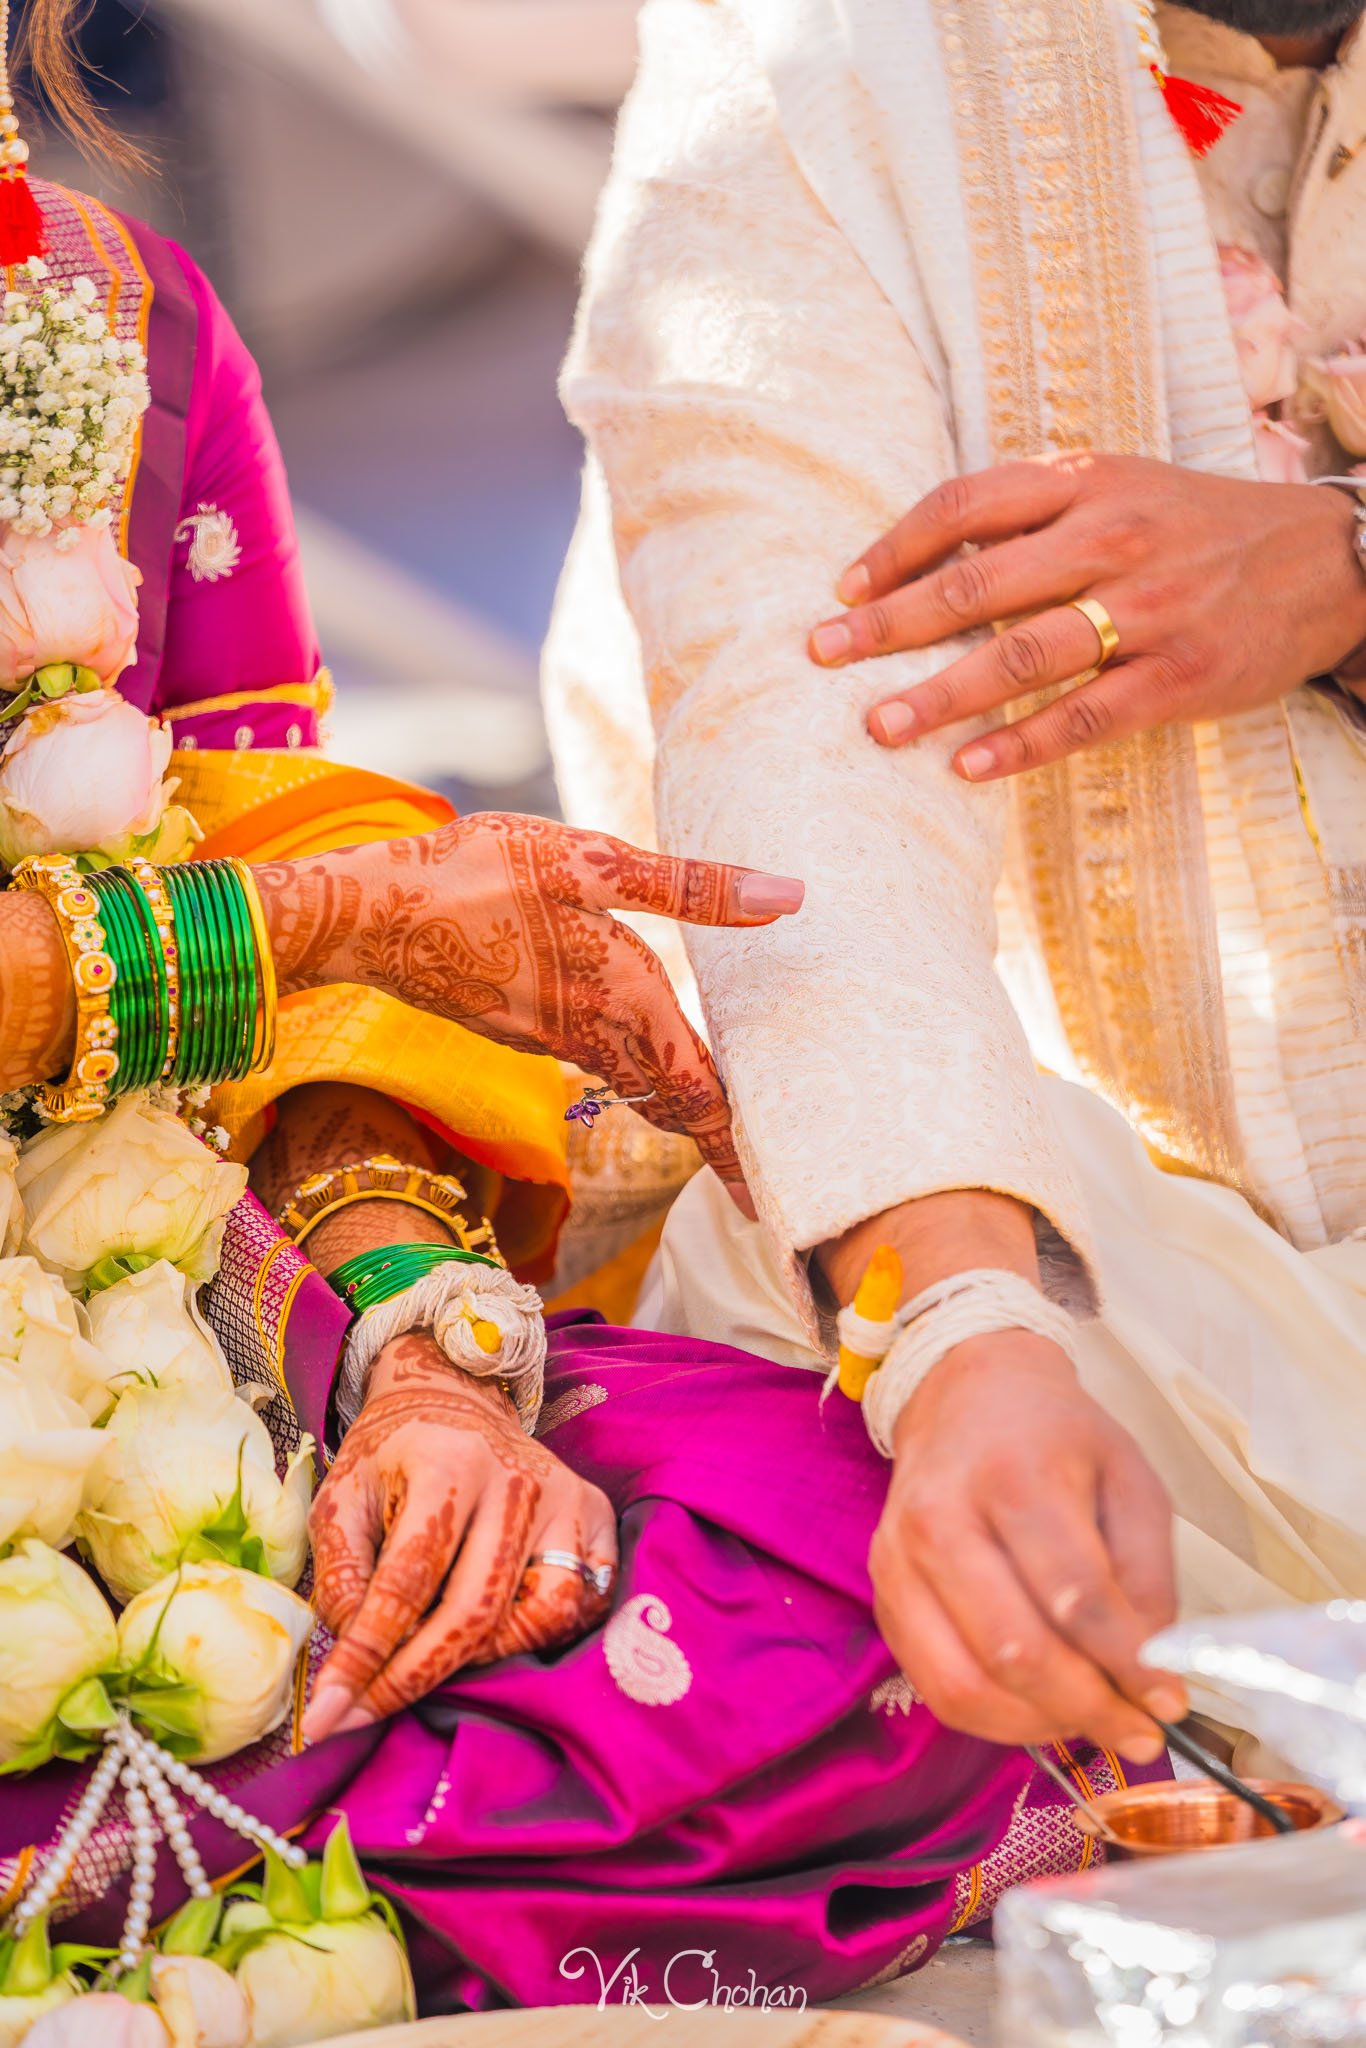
{"x":833,"y":643}
{"x":891,"y":723}
{"x":854,"y":585}
{"x":770,"y":895}
{"x":349,"y":1722}
{"x":325,"y":1711}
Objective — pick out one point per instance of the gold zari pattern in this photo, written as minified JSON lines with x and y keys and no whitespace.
{"x":1049,"y":161}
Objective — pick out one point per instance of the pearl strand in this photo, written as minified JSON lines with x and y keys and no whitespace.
{"x":222,"y":1808}
{"x":171,"y":1817}
{"x":147,"y":1772}
{"x":72,"y":1839}
{"x":138,"y":1919}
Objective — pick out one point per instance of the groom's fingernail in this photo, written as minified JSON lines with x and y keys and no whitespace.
{"x":854,"y":585}
{"x":770,"y":895}
{"x":1142,"y":1749}
{"x":1165,"y":1703}
{"x":833,"y":643}
{"x":891,"y":723}
{"x":976,"y":761}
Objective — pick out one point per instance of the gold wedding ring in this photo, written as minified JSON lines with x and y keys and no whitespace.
{"x":1093,"y":610}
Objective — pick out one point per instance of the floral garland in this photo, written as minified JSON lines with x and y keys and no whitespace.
{"x":80,"y":767}
{"x":149,"y":1544}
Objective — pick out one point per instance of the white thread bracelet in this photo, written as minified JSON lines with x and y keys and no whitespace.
{"x":444,"y":1302}
{"x":979,"y":1303}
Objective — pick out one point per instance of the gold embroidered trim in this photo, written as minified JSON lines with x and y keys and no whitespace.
{"x":1112,"y":841}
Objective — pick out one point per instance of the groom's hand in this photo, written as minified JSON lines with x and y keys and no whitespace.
{"x":1224,"y":594}
{"x":1024,"y":1555}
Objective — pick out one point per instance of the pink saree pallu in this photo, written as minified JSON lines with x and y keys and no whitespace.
{"x":727,"y":1794}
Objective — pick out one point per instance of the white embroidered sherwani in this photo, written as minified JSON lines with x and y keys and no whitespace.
{"x":849,"y":248}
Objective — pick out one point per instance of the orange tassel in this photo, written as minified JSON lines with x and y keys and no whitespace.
{"x":1201,"y":113}
{"x":21,"y":223}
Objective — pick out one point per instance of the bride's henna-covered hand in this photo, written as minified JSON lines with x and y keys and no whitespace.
{"x":504,"y":924}
{"x":422,"y":1532}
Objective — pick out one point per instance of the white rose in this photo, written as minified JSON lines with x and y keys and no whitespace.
{"x":321,"y":1979}
{"x":22,"y":2019}
{"x":47,"y":1447}
{"x":100,"y":2019}
{"x":66,"y":597}
{"x":232,"y":1639}
{"x":136,"y":1186}
{"x":190,"y":1474}
{"x":11,"y":1207}
{"x":203,"y":2007}
{"x":84,"y":774}
{"x":149,"y":1326}
{"x":41,"y":1338}
{"x":56,"y":1632}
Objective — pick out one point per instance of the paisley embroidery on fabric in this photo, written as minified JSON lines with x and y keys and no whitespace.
{"x":215,"y":549}
{"x":573,"y":1401}
{"x":645,"y":1664}
{"x":895,"y":1695}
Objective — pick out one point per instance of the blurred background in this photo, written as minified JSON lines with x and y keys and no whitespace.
{"x":392,"y":197}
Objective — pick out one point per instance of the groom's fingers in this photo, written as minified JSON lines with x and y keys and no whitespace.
{"x":991,"y":505}
{"x":608,"y":874}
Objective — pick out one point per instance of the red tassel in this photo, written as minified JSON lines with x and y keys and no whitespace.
{"x":22,"y":234}
{"x":1201,"y":113}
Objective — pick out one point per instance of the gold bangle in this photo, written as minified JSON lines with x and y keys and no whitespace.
{"x":384,"y":1179}
{"x":163,"y":916}
{"x":84,"y":1094}
{"x":263,"y":1051}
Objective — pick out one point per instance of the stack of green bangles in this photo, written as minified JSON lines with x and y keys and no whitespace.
{"x":377,"y":1276}
{"x":173,"y":975}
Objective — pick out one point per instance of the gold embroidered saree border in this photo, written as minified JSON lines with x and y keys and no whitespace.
{"x":1112,"y":840}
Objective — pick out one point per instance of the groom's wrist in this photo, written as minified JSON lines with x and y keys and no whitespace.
{"x":934,"y":1236}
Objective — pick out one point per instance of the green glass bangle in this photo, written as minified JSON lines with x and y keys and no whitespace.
{"x":372,"y":1277}
{"x":131,"y":998}
{"x":147,"y":995}
{"x":218,"y":974}
{"x":234,"y":953}
{"x":191,"y":1065}
{"x":245,"y":977}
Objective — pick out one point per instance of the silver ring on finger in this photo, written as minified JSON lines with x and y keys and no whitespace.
{"x":598,"y":1576}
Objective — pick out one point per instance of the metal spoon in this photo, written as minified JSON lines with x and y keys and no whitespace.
{"x":1195,"y":1753}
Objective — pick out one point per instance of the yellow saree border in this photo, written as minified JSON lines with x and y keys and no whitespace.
{"x":1110,"y":843}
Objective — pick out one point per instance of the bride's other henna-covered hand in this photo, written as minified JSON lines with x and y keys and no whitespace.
{"x":422,"y":1532}
{"x":504,"y":924}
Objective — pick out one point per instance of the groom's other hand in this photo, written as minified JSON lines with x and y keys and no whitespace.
{"x":1224,"y":594}
{"x":1024,"y":1555}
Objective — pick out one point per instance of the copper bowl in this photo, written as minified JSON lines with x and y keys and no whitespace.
{"x":1172,"y":1819}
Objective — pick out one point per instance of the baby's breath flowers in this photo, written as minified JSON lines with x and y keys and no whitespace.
{"x":71,"y":396}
